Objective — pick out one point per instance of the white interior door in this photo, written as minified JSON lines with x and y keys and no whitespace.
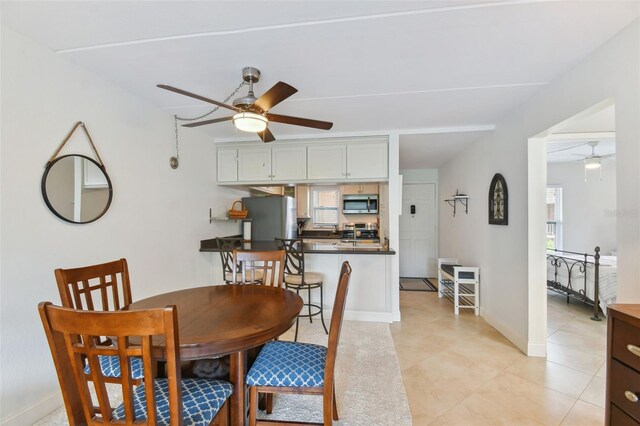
{"x":418,"y":241}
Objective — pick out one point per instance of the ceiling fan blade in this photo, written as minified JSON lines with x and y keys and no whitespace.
{"x":266,"y":135}
{"x":202,"y":123}
{"x":297,"y":121}
{"x":567,"y":148}
{"x":201,"y":98}
{"x":272,"y":97}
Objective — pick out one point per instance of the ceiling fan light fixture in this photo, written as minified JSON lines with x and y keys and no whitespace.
{"x":592,"y":163}
{"x":250,"y":122}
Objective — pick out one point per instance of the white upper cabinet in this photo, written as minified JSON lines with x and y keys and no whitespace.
{"x":364,"y":160}
{"x":254,"y":164}
{"x":367,"y":161}
{"x":289,"y":163}
{"x":227,"y":165}
{"x":327,"y":162}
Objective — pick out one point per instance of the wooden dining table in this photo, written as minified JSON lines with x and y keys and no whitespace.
{"x":227,"y":319}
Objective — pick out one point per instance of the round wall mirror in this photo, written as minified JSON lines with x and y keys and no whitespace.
{"x":76,"y":188}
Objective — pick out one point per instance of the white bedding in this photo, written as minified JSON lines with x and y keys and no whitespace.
{"x":606,"y":285}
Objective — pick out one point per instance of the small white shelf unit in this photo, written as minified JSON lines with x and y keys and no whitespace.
{"x":462,"y":288}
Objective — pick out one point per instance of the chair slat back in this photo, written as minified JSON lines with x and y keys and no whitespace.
{"x":74,"y":335}
{"x":336,"y":323}
{"x":246,"y":265}
{"x":294,"y":248}
{"x":226,"y":246}
{"x":103,"y":287}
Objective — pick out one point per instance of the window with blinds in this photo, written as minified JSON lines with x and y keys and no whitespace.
{"x":554,"y":218}
{"x":325,"y":206}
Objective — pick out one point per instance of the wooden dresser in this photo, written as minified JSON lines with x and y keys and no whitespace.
{"x":623,"y":365}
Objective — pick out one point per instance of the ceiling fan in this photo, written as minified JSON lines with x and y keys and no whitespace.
{"x":251,"y":113}
{"x":593,"y":161}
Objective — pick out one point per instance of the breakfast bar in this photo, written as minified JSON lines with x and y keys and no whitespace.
{"x":369,"y":297}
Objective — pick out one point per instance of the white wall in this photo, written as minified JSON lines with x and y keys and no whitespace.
{"x":501,"y":252}
{"x":588,"y":218}
{"x":156,"y":220}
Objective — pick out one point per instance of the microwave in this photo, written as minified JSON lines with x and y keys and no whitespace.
{"x":360,"y":204}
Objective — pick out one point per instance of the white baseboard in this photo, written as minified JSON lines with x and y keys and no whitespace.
{"x":396,"y":316}
{"x":537,"y":349}
{"x":30,"y":415}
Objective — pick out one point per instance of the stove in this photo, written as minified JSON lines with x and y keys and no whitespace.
{"x":361,"y":232}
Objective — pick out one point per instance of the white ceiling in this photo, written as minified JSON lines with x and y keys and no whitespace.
{"x":366,"y":65}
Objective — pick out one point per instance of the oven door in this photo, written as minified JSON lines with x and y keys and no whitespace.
{"x":360,"y":204}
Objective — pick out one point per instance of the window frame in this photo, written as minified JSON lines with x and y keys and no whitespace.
{"x":315,"y":208}
{"x":558,"y":214}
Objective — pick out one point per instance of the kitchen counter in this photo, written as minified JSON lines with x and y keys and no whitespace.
{"x":329,"y":247}
{"x":371,"y":286}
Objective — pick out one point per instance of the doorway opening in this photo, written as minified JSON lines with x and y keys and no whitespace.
{"x":418,"y":237}
{"x":572,"y":232}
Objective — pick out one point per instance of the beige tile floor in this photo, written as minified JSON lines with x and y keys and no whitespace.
{"x":458,"y":370}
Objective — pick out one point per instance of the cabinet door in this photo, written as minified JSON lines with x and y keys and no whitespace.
{"x":302,"y":200}
{"x":367,"y":160}
{"x":227,"y":165}
{"x":359,"y":188}
{"x":350,"y":189}
{"x":254,"y":164}
{"x":326,"y":162}
{"x":289,"y":162}
{"x":369,"y":188}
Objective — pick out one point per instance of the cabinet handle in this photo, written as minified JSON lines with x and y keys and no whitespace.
{"x":631,"y":396}
{"x":634,"y":349}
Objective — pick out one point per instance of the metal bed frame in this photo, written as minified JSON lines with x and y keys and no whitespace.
{"x":571,"y":289}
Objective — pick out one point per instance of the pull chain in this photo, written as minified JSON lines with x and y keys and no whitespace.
{"x":174,"y":162}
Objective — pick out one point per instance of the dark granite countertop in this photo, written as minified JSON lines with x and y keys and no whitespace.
{"x":326,"y":248}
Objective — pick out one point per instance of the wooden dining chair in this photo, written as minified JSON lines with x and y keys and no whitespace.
{"x":249,"y":265}
{"x":102,"y":287}
{"x":74,"y":335}
{"x":298,"y":278}
{"x":301,"y":368}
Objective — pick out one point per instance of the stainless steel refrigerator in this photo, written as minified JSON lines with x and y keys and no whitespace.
{"x":272,"y":216}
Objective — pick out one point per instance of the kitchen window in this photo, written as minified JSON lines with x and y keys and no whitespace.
{"x":554,"y":218}
{"x":325,"y":206}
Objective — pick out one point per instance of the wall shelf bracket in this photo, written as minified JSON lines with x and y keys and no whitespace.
{"x":458,"y":198}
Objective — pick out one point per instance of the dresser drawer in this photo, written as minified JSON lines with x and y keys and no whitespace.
{"x":619,"y":418}
{"x":625,"y":335}
{"x":623,"y":381}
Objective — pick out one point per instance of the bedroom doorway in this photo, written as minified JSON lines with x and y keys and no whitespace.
{"x":572,"y":228}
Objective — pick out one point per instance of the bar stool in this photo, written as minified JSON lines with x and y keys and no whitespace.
{"x":296,"y":278}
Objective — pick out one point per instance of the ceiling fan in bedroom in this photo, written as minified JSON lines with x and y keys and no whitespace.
{"x":594,"y":161}
{"x":251,"y":113}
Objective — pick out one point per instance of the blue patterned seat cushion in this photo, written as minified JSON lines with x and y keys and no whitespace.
{"x":289,"y":364}
{"x":201,"y":400}
{"x":110,"y":366}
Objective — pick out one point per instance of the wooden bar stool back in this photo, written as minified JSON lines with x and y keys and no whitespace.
{"x":297,"y":278}
{"x":74,"y":336}
{"x":248,"y":266}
